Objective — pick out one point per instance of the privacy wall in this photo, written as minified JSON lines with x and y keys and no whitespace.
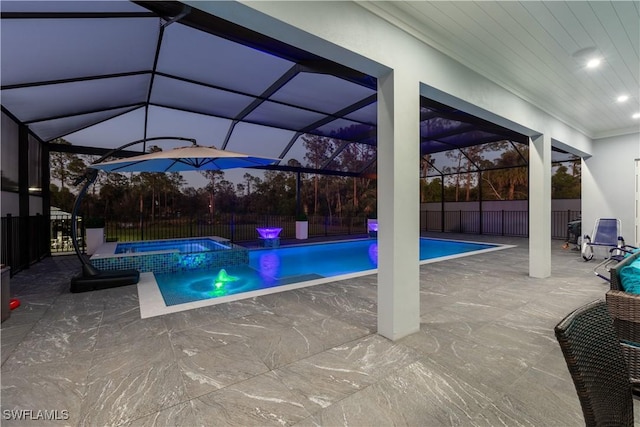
{"x":608,"y":182}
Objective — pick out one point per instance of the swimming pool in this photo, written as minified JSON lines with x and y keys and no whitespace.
{"x":271,"y":268}
{"x":334,"y":259}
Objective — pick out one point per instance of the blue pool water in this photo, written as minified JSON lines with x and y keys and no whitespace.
{"x":276,"y":267}
{"x":181,"y":245}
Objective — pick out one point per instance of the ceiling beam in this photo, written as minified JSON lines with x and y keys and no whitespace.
{"x":75,"y":15}
{"x":73,"y":80}
{"x":82,"y":113}
{"x":273,"y":88}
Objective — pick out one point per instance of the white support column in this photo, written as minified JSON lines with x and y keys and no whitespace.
{"x":398,"y":205}
{"x":540,"y":206}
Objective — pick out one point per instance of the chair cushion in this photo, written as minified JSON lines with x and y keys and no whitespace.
{"x":630,"y":277}
{"x":633,"y":251}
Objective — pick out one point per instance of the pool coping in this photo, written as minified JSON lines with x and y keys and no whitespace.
{"x":152,"y":303}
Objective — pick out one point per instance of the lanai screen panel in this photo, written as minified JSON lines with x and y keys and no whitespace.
{"x":449,"y":162}
{"x":119,"y":130}
{"x":197,"y":98}
{"x":367,"y":114}
{"x":485,"y":154}
{"x":284,"y":116}
{"x":371,"y":171}
{"x":296,"y":152}
{"x":259,"y":141}
{"x":560,"y":156}
{"x":444,"y":128}
{"x":205,"y":82}
{"x":64,"y":73}
{"x":431,"y":147}
{"x":61,"y":48}
{"x":44,"y":102}
{"x":470,"y":138}
{"x":206,"y":130}
{"x":127,"y":71}
{"x":198,"y":56}
{"x":50,"y":129}
{"x":345,"y":129}
{"x":321,"y":92}
{"x":354,"y":157}
{"x":481,"y":157}
{"x":312,"y":151}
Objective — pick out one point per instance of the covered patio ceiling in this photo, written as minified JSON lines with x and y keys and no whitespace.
{"x":101,"y":74}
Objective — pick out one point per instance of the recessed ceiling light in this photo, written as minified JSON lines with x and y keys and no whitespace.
{"x":636,"y":116}
{"x":588,"y":57}
{"x":593,"y":63}
{"x":623,"y":98}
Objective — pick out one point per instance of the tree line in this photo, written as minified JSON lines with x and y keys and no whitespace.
{"x":160,"y":195}
{"x":167,"y":195}
{"x":493,"y":171}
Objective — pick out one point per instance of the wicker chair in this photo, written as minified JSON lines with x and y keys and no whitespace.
{"x":596,"y":364}
{"x":614,"y":271}
{"x":625,"y":311}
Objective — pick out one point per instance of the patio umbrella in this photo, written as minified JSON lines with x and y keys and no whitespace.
{"x":192,"y":158}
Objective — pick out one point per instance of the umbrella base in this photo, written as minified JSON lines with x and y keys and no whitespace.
{"x":104,"y":279}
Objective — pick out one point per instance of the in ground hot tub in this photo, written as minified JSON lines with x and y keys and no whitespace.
{"x":168,"y":256}
{"x":181,"y":245}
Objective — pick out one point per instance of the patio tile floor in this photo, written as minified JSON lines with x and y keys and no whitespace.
{"x":485,"y":353}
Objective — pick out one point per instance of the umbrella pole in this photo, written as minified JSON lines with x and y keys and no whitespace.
{"x":298,"y":212}
{"x":90,"y":175}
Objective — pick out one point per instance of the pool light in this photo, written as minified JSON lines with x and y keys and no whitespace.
{"x":223,"y":278}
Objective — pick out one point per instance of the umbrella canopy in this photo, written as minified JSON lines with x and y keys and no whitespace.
{"x":192,"y":158}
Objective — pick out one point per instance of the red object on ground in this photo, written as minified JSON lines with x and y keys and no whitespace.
{"x":14,"y":303}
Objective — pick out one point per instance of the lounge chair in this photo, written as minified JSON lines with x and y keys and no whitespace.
{"x":616,"y":255}
{"x":606,"y":236}
{"x":598,"y":369}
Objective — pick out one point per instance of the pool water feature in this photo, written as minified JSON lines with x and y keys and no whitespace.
{"x":170,"y":255}
{"x":269,"y":236}
{"x":294,"y":266}
{"x":268,"y":232}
